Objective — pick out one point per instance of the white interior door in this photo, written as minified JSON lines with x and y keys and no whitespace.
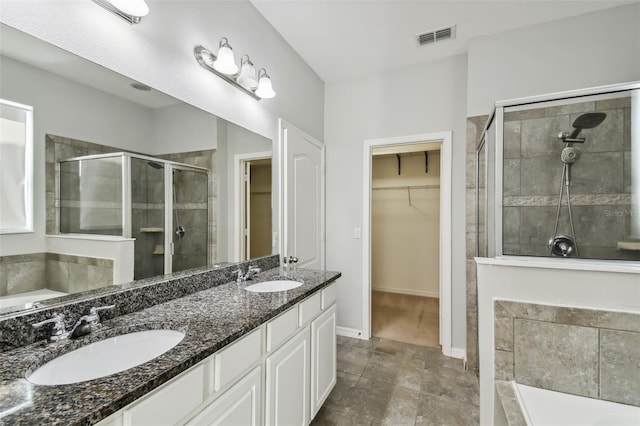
{"x":303,"y":197}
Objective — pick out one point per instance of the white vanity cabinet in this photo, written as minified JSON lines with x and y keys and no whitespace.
{"x":278,"y":374}
{"x":287,"y":383}
{"x":323,"y":358}
{"x":240,"y":405}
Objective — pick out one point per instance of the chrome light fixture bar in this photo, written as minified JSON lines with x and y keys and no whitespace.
{"x":130,"y":11}
{"x":224,"y":67}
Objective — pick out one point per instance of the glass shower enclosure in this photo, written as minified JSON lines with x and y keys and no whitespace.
{"x":162,"y":204}
{"x":559,"y":176}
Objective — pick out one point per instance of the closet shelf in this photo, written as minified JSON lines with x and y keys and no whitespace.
{"x":152,"y":229}
{"x":405,"y":187}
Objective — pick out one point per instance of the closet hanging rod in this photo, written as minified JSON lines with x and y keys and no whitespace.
{"x":405,"y":187}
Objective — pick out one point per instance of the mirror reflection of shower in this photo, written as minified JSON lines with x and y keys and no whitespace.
{"x":564,"y":245}
{"x":129,"y":195}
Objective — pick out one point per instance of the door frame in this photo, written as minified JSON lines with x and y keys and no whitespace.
{"x":238,"y":161}
{"x":444,"y":138}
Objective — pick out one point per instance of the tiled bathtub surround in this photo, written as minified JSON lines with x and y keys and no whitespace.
{"x":53,"y":271}
{"x":579,"y":351}
{"x":600,"y":179}
{"x":16,"y":330}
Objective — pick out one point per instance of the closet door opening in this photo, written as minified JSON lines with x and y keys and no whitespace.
{"x":405,"y":243}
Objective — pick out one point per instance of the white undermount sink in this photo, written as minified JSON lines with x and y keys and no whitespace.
{"x":106,"y":357}
{"x":273,"y":286}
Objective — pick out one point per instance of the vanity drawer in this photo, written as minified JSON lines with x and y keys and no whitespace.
{"x":231,"y":361}
{"x":281,"y":327}
{"x":309,"y":308}
{"x":170,"y":403}
{"x":328,"y":296}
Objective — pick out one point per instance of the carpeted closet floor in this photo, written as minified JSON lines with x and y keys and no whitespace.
{"x":405,"y":318}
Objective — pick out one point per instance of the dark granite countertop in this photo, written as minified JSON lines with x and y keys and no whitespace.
{"x":210,"y":319}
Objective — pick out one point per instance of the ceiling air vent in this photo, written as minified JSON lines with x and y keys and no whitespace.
{"x":434,"y":36}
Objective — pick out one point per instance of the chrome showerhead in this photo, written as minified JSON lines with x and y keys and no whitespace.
{"x":569,"y":155}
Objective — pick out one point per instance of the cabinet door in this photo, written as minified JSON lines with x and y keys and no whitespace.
{"x":287,"y":390}
{"x":323,"y":358}
{"x":169,"y":404}
{"x":241,"y":404}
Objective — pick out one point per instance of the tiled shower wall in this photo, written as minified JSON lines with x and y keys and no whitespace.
{"x":584,"y":352}
{"x":61,"y":272}
{"x":600,"y":180}
{"x":60,"y":148}
{"x":475,"y":125}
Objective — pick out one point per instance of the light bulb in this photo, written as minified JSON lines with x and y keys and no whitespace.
{"x":247,"y":77}
{"x":265,"y":89}
{"x":225,"y":62}
{"x":136,"y":8}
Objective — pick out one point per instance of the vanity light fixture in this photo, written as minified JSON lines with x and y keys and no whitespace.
{"x":131,"y":11}
{"x":225,"y":62}
{"x":265,"y":89}
{"x":247,"y":77}
{"x":224,"y":66}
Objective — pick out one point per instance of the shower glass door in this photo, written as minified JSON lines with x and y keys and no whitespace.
{"x":188,"y":216}
{"x":148,"y":216}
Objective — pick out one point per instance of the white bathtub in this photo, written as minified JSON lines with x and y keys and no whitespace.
{"x":542,"y":407}
{"x":28,"y":298}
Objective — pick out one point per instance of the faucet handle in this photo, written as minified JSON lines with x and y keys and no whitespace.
{"x":239,"y":274}
{"x":93,"y":318}
{"x":57,"y":320}
{"x":59,"y":330}
{"x":94,"y":310}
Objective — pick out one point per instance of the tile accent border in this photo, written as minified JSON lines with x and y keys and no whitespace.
{"x":584,"y":352}
{"x":509,"y":403}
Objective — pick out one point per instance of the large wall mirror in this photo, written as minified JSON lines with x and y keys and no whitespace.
{"x":129,"y":183}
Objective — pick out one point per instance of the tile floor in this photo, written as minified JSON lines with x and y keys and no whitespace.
{"x":384,"y":382}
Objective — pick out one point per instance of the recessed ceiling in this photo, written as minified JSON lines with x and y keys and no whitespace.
{"x":347,"y":39}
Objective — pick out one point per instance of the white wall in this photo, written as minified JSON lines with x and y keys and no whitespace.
{"x":588,"y":284}
{"x":593,"y":49}
{"x":181,"y":128}
{"x":425,"y":98}
{"x":42,"y":90}
{"x":159,"y":52}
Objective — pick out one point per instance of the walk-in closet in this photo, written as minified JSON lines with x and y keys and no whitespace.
{"x":405,"y":226}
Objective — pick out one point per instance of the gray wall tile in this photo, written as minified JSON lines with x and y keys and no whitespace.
{"x":620,"y":366}
{"x":540,"y":136}
{"x":503,"y":328}
{"x":25,"y":276}
{"x":557,"y":357}
{"x":503,"y":365}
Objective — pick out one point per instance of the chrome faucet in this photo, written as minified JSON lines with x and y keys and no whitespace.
{"x":251,"y":271}
{"x":84,"y":325}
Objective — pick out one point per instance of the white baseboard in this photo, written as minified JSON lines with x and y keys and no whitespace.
{"x":407,"y":291}
{"x":349,"y":332}
{"x":459,"y":353}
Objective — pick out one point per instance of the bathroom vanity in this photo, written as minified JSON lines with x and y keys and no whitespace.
{"x":246,"y":358}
